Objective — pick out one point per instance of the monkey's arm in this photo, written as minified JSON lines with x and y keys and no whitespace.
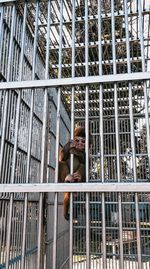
{"x":65,"y":152}
{"x":63,"y":171}
{"x":75,"y":147}
{"x":64,"y":156}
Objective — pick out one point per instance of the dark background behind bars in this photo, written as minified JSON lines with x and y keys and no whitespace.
{"x":51,"y":42}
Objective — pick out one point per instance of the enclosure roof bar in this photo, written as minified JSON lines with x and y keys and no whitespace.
{"x":94,"y":63}
{"x":95,"y":17}
{"x":94,"y":44}
{"x":75,"y":187}
{"x":75,"y":81}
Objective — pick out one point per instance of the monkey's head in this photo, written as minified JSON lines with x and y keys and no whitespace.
{"x":80,"y":136}
{"x":79,"y":131}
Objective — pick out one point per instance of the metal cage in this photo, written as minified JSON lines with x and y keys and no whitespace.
{"x":65,"y":63}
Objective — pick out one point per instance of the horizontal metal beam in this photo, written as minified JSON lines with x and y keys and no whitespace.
{"x":96,"y":63}
{"x":104,"y":16}
{"x":6,"y":1}
{"x":95,"y":44}
{"x":74,"y":81}
{"x":75,"y":187}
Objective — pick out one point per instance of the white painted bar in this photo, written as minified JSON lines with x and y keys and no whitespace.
{"x":76,"y":187}
{"x":7,"y":1}
{"x":74,"y":81}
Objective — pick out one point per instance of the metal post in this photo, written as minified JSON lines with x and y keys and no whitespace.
{"x":20,"y":78}
{"x":43,"y":172}
{"x":15,"y":143}
{"x":117,"y":131}
{"x":141,"y":27}
{"x":30,"y":136}
{"x":43,"y":147}
{"x":101,"y":135}
{"x":1,"y":30}
{"x":6,"y":92}
{"x":88,"y":262}
{"x":57,"y":140}
{"x":72,"y":133}
{"x":133,"y":137}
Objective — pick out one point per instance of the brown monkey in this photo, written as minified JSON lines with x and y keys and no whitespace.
{"x":77,"y":148}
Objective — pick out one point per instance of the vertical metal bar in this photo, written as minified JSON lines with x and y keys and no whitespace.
{"x":3,"y":140}
{"x":86,"y":40}
{"x":87,"y":139}
{"x":1,"y":31}
{"x":43,"y":147}
{"x":30,"y":135}
{"x":127,"y":35}
{"x":5,"y":166}
{"x":117,"y":131}
{"x":113,"y":37}
{"x":57,"y":140}
{"x":100,"y":38}
{"x":6,"y":92}
{"x":130,"y":96}
{"x":35,"y":41}
{"x":132,"y":137}
{"x":48,"y":53}
{"x":71,"y":194}
{"x":23,"y":42}
{"x":11,"y":41}
{"x":43,"y":160}
{"x":87,"y":180}
{"x":48,"y":40}
{"x":101,"y":135}
{"x":17,"y":115}
{"x":141,"y":27}
{"x":72,"y":133}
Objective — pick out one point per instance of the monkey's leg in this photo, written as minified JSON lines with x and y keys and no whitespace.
{"x":63,"y":172}
{"x":81,"y":172}
{"x":78,"y":176}
{"x":66,"y":205}
{"x":75,"y":177}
